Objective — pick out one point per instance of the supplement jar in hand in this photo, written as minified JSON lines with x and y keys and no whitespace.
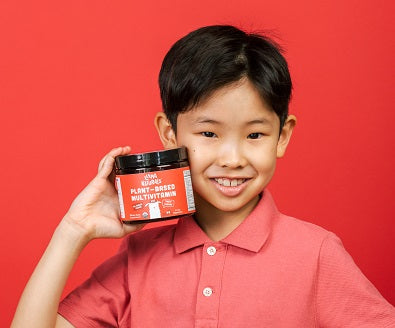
{"x":154,"y":186}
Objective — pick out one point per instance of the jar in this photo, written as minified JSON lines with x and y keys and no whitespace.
{"x":154,"y":186}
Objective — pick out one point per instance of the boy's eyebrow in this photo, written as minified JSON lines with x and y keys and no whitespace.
{"x":259,"y":121}
{"x":203,"y":119}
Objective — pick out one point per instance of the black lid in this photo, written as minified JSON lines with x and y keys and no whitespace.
{"x":154,"y":158}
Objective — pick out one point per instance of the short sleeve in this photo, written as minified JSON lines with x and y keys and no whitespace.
{"x":345,"y":297}
{"x":104,"y":299}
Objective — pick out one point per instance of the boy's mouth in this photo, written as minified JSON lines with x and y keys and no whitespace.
{"x":226,"y":182}
{"x":230,"y":187}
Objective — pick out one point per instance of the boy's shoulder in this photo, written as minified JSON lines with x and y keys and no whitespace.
{"x":302,"y":226}
{"x":284,"y":229}
{"x":300,"y":233}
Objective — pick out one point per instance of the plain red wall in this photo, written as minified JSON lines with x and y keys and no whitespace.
{"x":80,"y":77}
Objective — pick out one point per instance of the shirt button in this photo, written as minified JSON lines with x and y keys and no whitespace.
{"x":207,"y":292}
{"x":211,"y":250}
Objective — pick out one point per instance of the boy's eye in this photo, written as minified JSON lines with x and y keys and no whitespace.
{"x":255,"y":135}
{"x":208,"y":134}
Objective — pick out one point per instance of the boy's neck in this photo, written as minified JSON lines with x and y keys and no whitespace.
{"x":218,"y":224}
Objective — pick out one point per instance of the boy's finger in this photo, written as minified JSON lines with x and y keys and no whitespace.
{"x":113,"y":153}
{"x":106,"y":165}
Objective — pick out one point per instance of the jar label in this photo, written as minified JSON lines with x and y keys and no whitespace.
{"x":155,"y":195}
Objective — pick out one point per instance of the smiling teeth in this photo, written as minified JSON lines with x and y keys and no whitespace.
{"x":229,"y":182}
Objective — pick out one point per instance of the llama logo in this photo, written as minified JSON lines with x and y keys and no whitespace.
{"x":154,"y":210}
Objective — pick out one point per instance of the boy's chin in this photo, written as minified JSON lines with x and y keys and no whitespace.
{"x":229,"y":205}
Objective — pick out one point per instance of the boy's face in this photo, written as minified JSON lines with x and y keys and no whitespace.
{"x":233,"y":143}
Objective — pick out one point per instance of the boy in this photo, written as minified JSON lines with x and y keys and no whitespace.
{"x":238,"y":262}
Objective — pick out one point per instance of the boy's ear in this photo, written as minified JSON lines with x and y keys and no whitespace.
{"x":165,"y":131}
{"x":285,"y":135}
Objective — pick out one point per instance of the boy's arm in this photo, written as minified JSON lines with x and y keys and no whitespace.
{"x":345,"y":297}
{"x":39,"y":302}
{"x":93,"y":214}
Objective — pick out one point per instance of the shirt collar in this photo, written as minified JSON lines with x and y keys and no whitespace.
{"x":251,"y":234}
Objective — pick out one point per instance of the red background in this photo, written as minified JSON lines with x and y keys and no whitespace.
{"x":80,"y":77}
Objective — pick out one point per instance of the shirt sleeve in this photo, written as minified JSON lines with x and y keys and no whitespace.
{"x":345,"y":297}
{"x":104,"y":299}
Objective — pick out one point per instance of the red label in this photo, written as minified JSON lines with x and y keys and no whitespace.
{"x":155,"y":195}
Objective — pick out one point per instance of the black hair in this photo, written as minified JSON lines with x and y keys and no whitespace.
{"x":212,"y":57}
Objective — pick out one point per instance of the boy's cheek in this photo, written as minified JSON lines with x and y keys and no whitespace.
{"x":199,"y":159}
{"x":194,"y":159}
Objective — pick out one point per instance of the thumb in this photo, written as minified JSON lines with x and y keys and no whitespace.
{"x":129,"y":228}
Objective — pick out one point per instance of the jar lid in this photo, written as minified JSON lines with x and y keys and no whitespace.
{"x":154,"y":158}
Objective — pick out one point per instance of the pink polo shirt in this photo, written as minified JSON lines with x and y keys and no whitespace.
{"x":271,"y":271}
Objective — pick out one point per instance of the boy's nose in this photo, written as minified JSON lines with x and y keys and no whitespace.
{"x":231,"y":155}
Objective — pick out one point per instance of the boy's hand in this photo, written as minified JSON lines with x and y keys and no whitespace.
{"x":95,"y":211}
